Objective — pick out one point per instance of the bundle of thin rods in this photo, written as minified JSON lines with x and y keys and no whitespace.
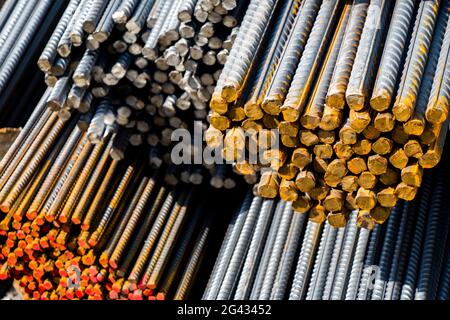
{"x":273,"y":252}
{"x":358,"y":91}
{"x":25,"y":28}
{"x":146,"y":66}
{"x":78,"y":224}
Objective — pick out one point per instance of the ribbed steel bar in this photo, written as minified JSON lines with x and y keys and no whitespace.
{"x":345,"y":259}
{"x":305,"y":261}
{"x":238,"y":221}
{"x":357,"y":265}
{"x":25,"y":133}
{"x":331,"y":270}
{"x":246,"y":46}
{"x":193,"y":265}
{"x":257,"y":285}
{"x":369,"y":270}
{"x":254,"y":252}
{"x":276,"y":252}
{"x":415,"y":61}
{"x":444,"y":287}
{"x":6,"y":11}
{"x":437,"y":108}
{"x":271,"y":58}
{"x":367,"y":54}
{"x":312,"y":115}
{"x":395,"y":44}
{"x":18,"y":20}
{"x":416,"y":125}
{"x":423,"y":288}
{"x":398,"y":260}
{"x":387,"y":251}
{"x":410,"y":278}
{"x":323,"y":257}
{"x":10,"y":19}
{"x":290,"y":57}
{"x":308,"y":65}
{"x":281,"y":283}
{"x":341,"y":75}
{"x":230,"y":278}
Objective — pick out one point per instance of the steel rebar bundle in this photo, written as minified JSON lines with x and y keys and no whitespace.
{"x":401,"y":259}
{"x":25,"y":27}
{"x":77,"y":222}
{"x":148,"y":67}
{"x":358,"y":93}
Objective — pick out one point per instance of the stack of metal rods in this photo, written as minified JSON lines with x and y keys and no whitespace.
{"x":76,"y":223}
{"x":146,"y":66}
{"x":358,"y":91}
{"x":25,"y":27}
{"x":273,"y":252}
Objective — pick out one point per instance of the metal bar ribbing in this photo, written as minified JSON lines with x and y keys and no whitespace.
{"x":10,"y":19}
{"x":369,"y":270}
{"x":410,"y":278}
{"x":149,"y":51}
{"x":392,"y":290}
{"x":17,"y":27}
{"x":268,"y":247}
{"x":415,"y":61}
{"x":238,"y":220}
{"x":323,"y":257}
{"x":416,"y":125}
{"x":437,"y":108}
{"x":248,"y":40}
{"x":389,"y":69}
{"x":331,"y":270}
{"x":295,"y":45}
{"x":424,"y":286}
{"x":281,"y":283}
{"x":6,"y":11}
{"x":309,"y":62}
{"x":177,"y":263}
{"x":38,"y":19}
{"x":194,"y":263}
{"x":93,"y":15}
{"x":345,"y":259}
{"x":24,"y":133}
{"x":338,"y":85}
{"x":276,"y":252}
{"x":264,"y":74}
{"x":357,"y":265}
{"x":15,"y":106}
{"x":386,"y":255}
{"x":368,"y":51}
{"x":230,"y":278}
{"x":440,"y":251}
{"x":314,"y":110}
{"x":140,"y":14}
{"x":216,"y":265}
{"x":124,"y":11}
{"x":305,"y":261}
{"x":252,"y":258}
